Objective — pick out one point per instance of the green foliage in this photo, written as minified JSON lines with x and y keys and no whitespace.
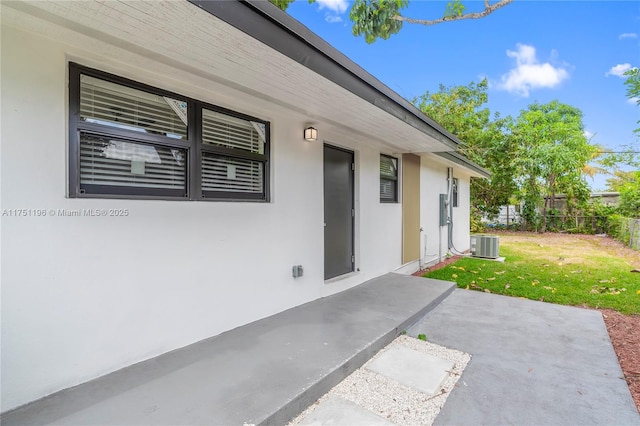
{"x":374,"y":19}
{"x":630,"y":196}
{"x":633,"y":88}
{"x":633,"y":84}
{"x":485,"y":139}
{"x":553,"y":154}
{"x":619,"y":179}
{"x":622,"y":229}
{"x":628,"y":185}
{"x":422,"y":337}
{"x":282,"y":4}
{"x":476,"y":226}
{"x":539,"y":272}
{"x":454,"y":8}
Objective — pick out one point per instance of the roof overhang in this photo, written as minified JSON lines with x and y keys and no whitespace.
{"x":461,"y":160}
{"x":249,"y":54}
{"x":275,"y":28}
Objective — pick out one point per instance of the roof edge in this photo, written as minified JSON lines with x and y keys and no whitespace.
{"x":267,"y":23}
{"x":465,"y":162}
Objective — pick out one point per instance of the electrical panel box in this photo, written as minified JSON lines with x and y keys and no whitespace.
{"x":487,"y":246}
{"x":444,"y":215}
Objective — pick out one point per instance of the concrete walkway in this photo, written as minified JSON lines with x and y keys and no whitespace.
{"x":533,"y":363}
{"x":262,"y":373}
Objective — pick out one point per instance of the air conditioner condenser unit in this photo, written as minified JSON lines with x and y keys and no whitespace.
{"x":487,"y":246}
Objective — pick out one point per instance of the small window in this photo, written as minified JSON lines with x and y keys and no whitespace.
{"x":131,"y":140}
{"x":388,"y":179}
{"x":455,"y":192}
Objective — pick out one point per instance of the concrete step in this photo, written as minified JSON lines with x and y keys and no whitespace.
{"x":265,"y":372}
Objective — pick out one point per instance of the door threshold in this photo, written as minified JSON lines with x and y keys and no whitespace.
{"x":342,"y":277}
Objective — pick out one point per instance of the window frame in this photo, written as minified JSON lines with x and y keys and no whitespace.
{"x":389,"y":179}
{"x":193,"y":145}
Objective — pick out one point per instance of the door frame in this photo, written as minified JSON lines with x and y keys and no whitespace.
{"x":352,"y":187}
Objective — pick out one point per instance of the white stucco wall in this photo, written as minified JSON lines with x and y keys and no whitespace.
{"x":433,"y":182}
{"x":84,"y":296}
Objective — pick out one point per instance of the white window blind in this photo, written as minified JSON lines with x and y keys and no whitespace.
{"x":231,"y":174}
{"x":388,"y":178}
{"x":115,"y":105}
{"x":114,"y":162}
{"x":387,"y":190}
{"x":232,"y":132}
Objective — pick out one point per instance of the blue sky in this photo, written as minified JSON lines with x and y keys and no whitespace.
{"x":572,"y":51}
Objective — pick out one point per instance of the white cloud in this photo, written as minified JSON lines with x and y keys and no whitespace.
{"x":336,"y":6}
{"x":332,"y":19}
{"x":587,"y":134}
{"x":335,"y":9}
{"x":529,"y":73}
{"x":618,"y":70}
{"x":634,"y":101}
{"x":627,"y":35}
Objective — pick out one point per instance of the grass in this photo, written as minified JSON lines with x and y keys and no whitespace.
{"x":564,"y":273}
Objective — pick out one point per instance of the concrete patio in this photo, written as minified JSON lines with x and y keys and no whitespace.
{"x":532,"y":363}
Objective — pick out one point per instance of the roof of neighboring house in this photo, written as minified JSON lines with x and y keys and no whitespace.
{"x":275,"y":28}
{"x":597,"y":194}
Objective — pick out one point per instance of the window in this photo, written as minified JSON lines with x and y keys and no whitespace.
{"x":134,"y":141}
{"x":388,"y":179}
{"x":455,"y":192}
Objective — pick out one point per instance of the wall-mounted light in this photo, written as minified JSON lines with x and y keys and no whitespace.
{"x":311,"y":134}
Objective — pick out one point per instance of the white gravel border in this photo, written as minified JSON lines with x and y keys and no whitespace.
{"x":394,"y":401}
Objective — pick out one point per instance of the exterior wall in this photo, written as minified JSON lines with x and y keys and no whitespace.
{"x":434,"y":240}
{"x":84,"y":296}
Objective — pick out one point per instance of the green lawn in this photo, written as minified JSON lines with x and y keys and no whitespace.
{"x":571,"y":272}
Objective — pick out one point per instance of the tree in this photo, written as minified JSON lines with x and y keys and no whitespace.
{"x":374,"y":19}
{"x":619,"y":179}
{"x":554,"y":152}
{"x":485,"y":140}
{"x":628,"y":182}
{"x":630,"y":196}
{"x":633,"y":88}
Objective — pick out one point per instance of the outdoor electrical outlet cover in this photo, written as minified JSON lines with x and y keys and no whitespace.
{"x":297,"y":271}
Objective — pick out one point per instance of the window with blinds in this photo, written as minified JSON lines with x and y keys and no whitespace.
{"x":388,"y":179}
{"x":231,"y":132}
{"x":128,"y":139}
{"x":233,"y":155}
{"x":119,"y":106}
{"x":107,"y":161}
{"x":231,"y":174}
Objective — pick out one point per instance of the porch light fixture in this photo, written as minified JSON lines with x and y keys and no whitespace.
{"x":311,"y":134}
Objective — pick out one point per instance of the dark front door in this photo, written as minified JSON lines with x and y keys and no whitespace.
{"x":338,"y":212}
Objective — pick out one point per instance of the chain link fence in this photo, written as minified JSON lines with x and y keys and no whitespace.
{"x":577,"y":224}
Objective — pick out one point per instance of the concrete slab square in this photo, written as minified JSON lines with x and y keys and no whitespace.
{"x":415,"y":369}
{"x":338,"y":411}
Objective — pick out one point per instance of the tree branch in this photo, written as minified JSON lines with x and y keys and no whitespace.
{"x":489,"y":9}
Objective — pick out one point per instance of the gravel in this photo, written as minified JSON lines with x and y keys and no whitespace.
{"x":394,"y":401}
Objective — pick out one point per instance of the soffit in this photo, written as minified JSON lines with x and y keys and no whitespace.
{"x":182,"y":35}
